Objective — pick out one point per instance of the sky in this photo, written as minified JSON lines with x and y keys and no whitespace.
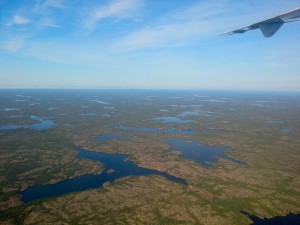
{"x":153,"y":44}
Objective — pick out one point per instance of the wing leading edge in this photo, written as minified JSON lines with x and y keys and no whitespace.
{"x":270,"y":26}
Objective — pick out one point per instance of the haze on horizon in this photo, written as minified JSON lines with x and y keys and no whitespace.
{"x":146,"y":44}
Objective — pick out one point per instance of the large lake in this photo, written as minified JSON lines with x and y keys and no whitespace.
{"x":199,"y":153}
{"x":116,"y":166}
{"x":290,"y":219}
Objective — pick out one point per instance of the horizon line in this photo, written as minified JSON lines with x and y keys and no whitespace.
{"x":166,"y":89}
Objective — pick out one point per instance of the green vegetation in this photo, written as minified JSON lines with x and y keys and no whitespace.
{"x":268,"y":186}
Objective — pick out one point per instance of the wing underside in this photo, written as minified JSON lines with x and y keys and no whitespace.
{"x":270,"y":26}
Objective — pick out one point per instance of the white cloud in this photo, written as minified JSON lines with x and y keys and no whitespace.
{"x":194,"y":23}
{"x":13,"y":44}
{"x":47,"y":23}
{"x":69,"y":52}
{"x":58,"y":4}
{"x":174,"y":29}
{"x":117,"y":8}
{"x":44,"y":14}
{"x":166,"y":35}
{"x":54,"y":4}
{"x":19,"y":20}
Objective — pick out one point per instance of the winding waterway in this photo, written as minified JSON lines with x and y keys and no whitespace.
{"x":116,"y":166}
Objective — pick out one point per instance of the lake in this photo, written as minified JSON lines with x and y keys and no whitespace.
{"x":116,"y":166}
{"x":156,"y":130}
{"x":107,"y":137}
{"x":43,"y":124}
{"x":10,"y":109}
{"x":290,"y":219}
{"x":199,"y":153}
{"x":170,"y":119}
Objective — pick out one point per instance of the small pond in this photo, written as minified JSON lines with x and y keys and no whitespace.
{"x":107,"y":137}
{"x":169,"y":119}
{"x":286,"y":130}
{"x":87,"y":114}
{"x":189,"y":113}
{"x":156,"y":130}
{"x":10,"y":109}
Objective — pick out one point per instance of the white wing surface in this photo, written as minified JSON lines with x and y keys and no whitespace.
{"x":270,"y":26}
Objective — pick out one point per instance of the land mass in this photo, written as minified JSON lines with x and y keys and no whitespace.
{"x":260,"y":129}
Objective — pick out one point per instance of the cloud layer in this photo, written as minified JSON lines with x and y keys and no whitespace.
{"x":147,"y":42}
{"x":119,"y":9}
{"x":134,"y":24}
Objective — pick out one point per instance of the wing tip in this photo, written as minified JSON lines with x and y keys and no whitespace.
{"x":226,"y":33}
{"x":238,"y":31}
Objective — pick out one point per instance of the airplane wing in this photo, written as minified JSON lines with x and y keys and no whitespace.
{"x":270,"y":26}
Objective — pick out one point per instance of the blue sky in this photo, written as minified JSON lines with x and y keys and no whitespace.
{"x":146,"y":44}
